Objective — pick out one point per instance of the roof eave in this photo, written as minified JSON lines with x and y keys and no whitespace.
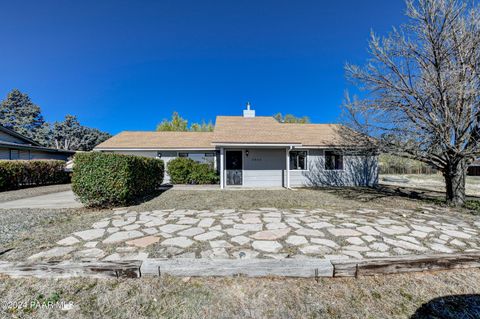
{"x":152,"y":148}
{"x":250,"y":144}
{"x":36,"y":148}
{"x":18,"y":135}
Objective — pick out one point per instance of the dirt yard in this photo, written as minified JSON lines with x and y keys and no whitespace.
{"x":394,"y":296}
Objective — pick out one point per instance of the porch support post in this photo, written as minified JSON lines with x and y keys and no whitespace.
{"x":222,"y":173}
{"x":288,"y":167}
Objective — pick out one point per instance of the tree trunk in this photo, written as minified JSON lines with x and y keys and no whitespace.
{"x":454,"y":175}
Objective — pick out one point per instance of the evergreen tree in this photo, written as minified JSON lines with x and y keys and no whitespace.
{"x":289,"y":118}
{"x":20,"y":114}
{"x":177,"y":123}
{"x":202,"y":127}
{"x":71,"y":135}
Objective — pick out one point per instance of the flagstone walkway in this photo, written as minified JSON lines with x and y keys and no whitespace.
{"x":269,"y":233}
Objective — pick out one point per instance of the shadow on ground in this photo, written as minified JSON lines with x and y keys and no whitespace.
{"x":450,"y":307}
{"x":366,"y":194}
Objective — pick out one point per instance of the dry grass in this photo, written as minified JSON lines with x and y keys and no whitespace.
{"x":33,"y":230}
{"x":433,"y":182}
{"x":394,"y":296}
{"x":384,"y":198}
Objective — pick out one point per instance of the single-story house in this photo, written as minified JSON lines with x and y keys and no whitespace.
{"x":15,"y":146}
{"x":259,"y":151}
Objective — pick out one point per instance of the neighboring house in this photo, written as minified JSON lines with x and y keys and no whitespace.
{"x":259,"y":151}
{"x":14,"y":146}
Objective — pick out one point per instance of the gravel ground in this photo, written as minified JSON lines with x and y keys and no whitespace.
{"x":27,"y":231}
{"x":448,"y":294}
{"x":33,"y":191}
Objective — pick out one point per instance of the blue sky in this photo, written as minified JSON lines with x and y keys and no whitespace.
{"x":126,"y":65}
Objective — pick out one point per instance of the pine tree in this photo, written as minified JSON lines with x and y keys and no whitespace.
{"x":177,"y":123}
{"x":71,"y":135}
{"x":20,"y":114}
{"x":289,"y":118}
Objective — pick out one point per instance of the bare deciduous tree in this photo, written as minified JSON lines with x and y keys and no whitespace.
{"x":422,"y":89}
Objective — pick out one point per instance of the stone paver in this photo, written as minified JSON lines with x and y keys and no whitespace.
{"x":122,"y":236}
{"x":296,"y":240}
{"x":343,"y":232}
{"x":248,"y":227}
{"x":91,"y":244}
{"x":68,"y":241}
{"x":208,"y":236}
{"x":91,"y":253}
{"x":269,"y":233}
{"x":191,"y":231}
{"x":206,"y":222}
{"x":90,"y":234}
{"x":182,"y":242}
{"x":144,"y":241}
{"x":315,"y":249}
{"x":241,"y":240}
{"x":267,"y":246}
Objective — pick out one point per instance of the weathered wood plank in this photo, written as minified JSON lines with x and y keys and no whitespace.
{"x":248,"y":267}
{"x":68,"y":269}
{"x":400,"y":264}
{"x":232,"y":267}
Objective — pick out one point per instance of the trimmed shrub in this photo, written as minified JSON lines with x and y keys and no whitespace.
{"x":203,"y":174}
{"x":183,"y":170}
{"x":107,"y":179}
{"x":19,"y":173}
{"x":179,"y":170}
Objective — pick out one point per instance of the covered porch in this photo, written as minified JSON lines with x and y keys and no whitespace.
{"x":254,"y":166}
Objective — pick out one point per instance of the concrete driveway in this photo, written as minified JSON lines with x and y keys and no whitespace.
{"x":50,"y":201}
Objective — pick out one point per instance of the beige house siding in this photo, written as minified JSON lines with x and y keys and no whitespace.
{"x":358,"y":170}
{"x":166,"y":156}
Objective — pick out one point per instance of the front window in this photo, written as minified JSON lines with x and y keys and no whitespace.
{"x":333,"y":161}
{"x":200,"y":157}
{"x":298,"y":160}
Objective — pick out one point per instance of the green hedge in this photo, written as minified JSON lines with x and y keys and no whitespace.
{"x":106,"y":179}
{"x":183,"y":170}
{"x":19,"y":174}
{"x":179,"y":170}
{"x":204,"y":174}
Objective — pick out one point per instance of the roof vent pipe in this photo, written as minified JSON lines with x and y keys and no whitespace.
{"x":248,"y":112}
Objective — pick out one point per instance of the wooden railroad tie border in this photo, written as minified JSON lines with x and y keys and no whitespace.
{"x":403,"y":264}
{"x":68,"y":269}
{"x":183,"y":267}
{"x":306,"y":268}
